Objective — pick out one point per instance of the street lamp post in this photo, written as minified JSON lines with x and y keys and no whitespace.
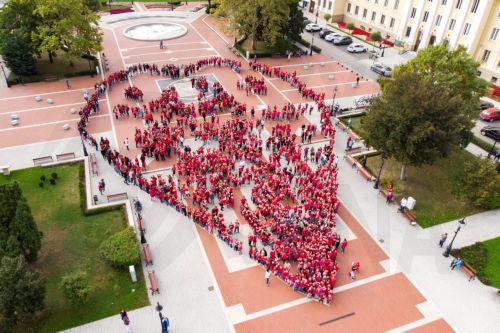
{"x":377,"y":181}
{"x":461,"y":223}
{"x":315,"y":22}
{"x":492,"y":150}
{"x":5,"y":75}
{"x":158,"y":308}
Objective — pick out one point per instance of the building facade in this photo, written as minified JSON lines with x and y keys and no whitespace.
{"x":416,"y":24}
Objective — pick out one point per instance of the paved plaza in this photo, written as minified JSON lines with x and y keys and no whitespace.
{"x":405,"y":284}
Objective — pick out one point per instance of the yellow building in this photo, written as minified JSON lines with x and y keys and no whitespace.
{"x":416,"y":24}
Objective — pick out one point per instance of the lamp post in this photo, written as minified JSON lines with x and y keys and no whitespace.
{"x":5,"y":75}
{"x":315,"y":22}
{"x":492,"y":148}
{"x":158,"y":308}
{"x":461,"y":223}
{"x":377,"y":181}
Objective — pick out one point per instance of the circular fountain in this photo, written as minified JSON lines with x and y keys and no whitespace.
{"x":155,"y":31}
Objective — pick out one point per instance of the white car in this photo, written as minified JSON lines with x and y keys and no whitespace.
{"x":312,"y":27}
{"x":356,"y":48}
{"x":332,"y":36}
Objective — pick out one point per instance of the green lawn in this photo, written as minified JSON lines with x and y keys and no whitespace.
{"x":70,"y":242}
{"x":432,"y":186}
{"x":356,"y":124}
{"x":485,"y":259}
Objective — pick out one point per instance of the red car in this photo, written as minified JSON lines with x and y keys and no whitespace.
{"x":490,"y":114}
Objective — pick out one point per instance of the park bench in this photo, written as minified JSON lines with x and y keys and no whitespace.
{"x":351,"y":160}
{"x":65,"y":156}
{"x":468,"y":270}
{"x":354,"y":150}
{"x":153,"y":283}
{"x":147,"y":254}
{"x":117,"y":197}
{"x":366,"y":174}
{"x":408,"y":214}
{"x":50,"y":78}
{"x":353,"y":135}
{"x":42,"y":160}
{"x":93,"y":164}
{"x":140,"y":224}
{"x":342,"y":126}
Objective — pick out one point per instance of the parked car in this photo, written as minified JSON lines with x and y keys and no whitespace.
{"x":490,"y":114}
{"x":356,"y":48}
{"x":332,"y":36}
{"x":307,"y":21}
{"x":313,"y":27}
{"x":343,"y":40}
{"x":483,"y":105}
{"x":381,"y":69}
{"x":324,"y":32}
{"x":491,"y":132}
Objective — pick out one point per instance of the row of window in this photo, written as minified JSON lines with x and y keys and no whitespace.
{"x":373,"y":16}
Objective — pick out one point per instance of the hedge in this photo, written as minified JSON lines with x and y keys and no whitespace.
{"x":482,"y":144}
{"x":307,"y":44}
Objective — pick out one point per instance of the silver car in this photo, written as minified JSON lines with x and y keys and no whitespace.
{"x":382,"y":69}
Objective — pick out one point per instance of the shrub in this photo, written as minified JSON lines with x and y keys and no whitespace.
{"x":76,"y":287}
{"x":54,"y":175}
{"x":52,"y":181}
{"x":479,"y":183}
{"x":43,"y":178}
{"x":121,"y":249}
{"x":475,"y":255}
{"x":40,"y":183}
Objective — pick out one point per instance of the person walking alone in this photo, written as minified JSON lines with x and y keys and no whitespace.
{"x":267,"y":275}
{"x":343,"y":245}
{"x":126,"y":142}
{"x":443,"y":239}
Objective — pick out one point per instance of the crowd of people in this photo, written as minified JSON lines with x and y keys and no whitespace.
{"x":253,"y":85}
{"x":293,"y":223}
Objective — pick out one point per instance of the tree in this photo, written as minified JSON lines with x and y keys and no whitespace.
{"x":376,"y":37}
{"x":294,"y":26}
{"x":18,"y":55}
{"x":121,"y":249}
{"x":21,"y":292}
{"x":93,"y":5}
{"x":350,"y":26}
{"x":327,"y":17}
{"x":18,"y":18}
{"x":66,"y":25}
{"x":414,"y":120}
{"x":76,"y":287}
{"x":26,"y":231}
{"x":480,"y":183}
{"x":260,"y":20}
{"x":456,"y":71}
{"x":19,"y":233}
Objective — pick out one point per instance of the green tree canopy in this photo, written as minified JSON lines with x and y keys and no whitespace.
{"x":453,"y":69}
{"x":19,"y":233}
{"x":18,"y":55}
{"x":294,"y":26}
{"x":121,"y":249}
{"x":260,"y":20}
{"x":480,"y":183}
{"x":21,"y":292}
{"x":67,"y":25}
{"x":414,"y":120}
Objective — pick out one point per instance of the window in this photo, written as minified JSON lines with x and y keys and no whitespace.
{"x":494,"y":34}
{"x":348,"y":7}
{"x":443,"y":2}
{"x":386,"y":2}
{"x":391,"y":25}
{"x":413,"y":12}
{"x":494,"y":79}
{"x":466,"y":29}
{"x":459,"y":4}
{"x":356,"y":10}
{"x":330,"y":5}
{"x":382,"y":19}
{"x":452,"y":24}
{"x":324,"y":3}
{"x":486,"y":55}
{"x":376,"y":1}
{"x":396,"y":4}
{"x":438,"y":20}
{"x":373,"y":16}
{"x":426,"y":16}
{"x":475,"y":4}
{"x":408,"y":31}
{"x":365,"y":11}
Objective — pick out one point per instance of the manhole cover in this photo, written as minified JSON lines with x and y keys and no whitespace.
{"x":381,"y":240}
{"x":211,"y":288}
